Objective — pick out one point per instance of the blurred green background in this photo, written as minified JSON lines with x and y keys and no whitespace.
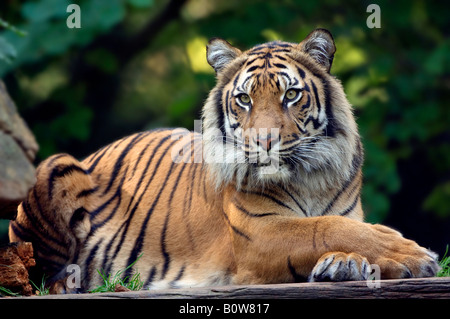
{"x":140,"y":64}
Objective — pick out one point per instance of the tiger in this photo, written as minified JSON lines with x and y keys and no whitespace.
{"x":267,"y":191}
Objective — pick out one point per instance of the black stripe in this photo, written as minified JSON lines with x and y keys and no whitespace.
{"x":144,"y":174}
{"x":204,"y":177}
{"x":351,"y":207}
{"x":228,"y":108}
{"x":140,"y":239}
{"x":174,"y":188}
{"x":99,"y":209}
{"x":219,"y":110}
{"x":315,"y":121}
{"x":119,"y":161}
{"x":27,"y":234}
{"x":301,"y":130}
{"x":307,"y":104}
{"x":44,"y":218}
{"x":187,"y":208}
{"x":356,"y":164}
{"x":97,"y":160}
{"x":180,"y":274}
{"x":54,"y":158}
{"x":276,"y":44}
{"x":256,"y":52}
{"x":234,"y":228}
{"x":287,"y":76}
{"x":281,"y":50}
{"x":243,"y":82}
{"x":87,"y":192}
{"x":246,"y":212}
{"x":295,"y":275}
{"x":255,"y":67}
{"x":22,"y":233}
{"x":294,"y":199}
{"x":301,"y":72}
{"x":77,"y":216}
{"x":251,"y":61}
{"x":61,"y":171}
{"x":193,"y":170}
{"x":164,"y":251}
{"x":151,"y":276}
{"x":316,"y":96}
{"x":141,"y":154}
{"x":118,"y":195}
{"x":332,"y":127}
{"x":131,"y":212}
{"x":268,"y":197}
{"x":88,"y":271}
{"x":50,"y":266}
{"x":106,"y":264}
{"x":280,"y":66}
{"x":38,"y":230}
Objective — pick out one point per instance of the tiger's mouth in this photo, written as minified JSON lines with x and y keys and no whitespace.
{"x":263,"y":164}
{"x":262,"y":159}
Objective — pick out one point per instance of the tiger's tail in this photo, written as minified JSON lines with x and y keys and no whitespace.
{"x":55,"y":215}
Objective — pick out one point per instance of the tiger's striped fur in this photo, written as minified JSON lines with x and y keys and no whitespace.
{"x":196,"y":217}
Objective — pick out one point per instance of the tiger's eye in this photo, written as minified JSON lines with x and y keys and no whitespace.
{"x":244,"y":98}
{"x":291,"y":94}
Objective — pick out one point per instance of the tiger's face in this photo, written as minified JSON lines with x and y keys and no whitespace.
{"x":276,"y":108}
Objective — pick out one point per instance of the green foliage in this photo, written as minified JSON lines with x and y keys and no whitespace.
{"x":111,"y":281}
{"x":41,"y":290}
{"x":445,"y":265}
{"x":7,"y":292}
{"x":7,"y":51}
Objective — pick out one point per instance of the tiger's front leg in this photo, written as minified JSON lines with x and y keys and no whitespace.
{"x":287,"y":249}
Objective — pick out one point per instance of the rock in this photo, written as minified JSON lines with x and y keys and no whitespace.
{"x":18,"y":148}
{"x":15,"y":261}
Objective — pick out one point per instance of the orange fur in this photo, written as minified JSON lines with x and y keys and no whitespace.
{"x":219,"y":221}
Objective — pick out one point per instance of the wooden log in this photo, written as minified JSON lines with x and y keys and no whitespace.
{"x":15,"y":261}
{"x":401,"y":288}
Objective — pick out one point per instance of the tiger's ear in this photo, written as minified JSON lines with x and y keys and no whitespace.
{"x":220,"y":53}
{"x":319,"y":45}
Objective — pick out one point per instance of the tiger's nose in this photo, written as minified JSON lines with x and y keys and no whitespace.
{"x":266,"y":142}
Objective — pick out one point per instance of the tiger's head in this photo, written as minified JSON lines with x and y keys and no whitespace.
{"x":277,"y":115}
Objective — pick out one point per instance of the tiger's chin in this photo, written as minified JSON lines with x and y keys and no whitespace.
{"x":272,"y":173}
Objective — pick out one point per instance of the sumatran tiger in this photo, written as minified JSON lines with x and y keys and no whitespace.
{"x":268,"y":193}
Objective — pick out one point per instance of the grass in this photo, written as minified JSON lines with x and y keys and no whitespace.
{"x":110,"y":282}
{"x":6,"y":292}
{"x":445,"y":265}
{"x":41,"y":290}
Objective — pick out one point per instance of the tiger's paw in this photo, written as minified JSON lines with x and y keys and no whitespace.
{"x":339,"y":266}
{"x":403,"y":258}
